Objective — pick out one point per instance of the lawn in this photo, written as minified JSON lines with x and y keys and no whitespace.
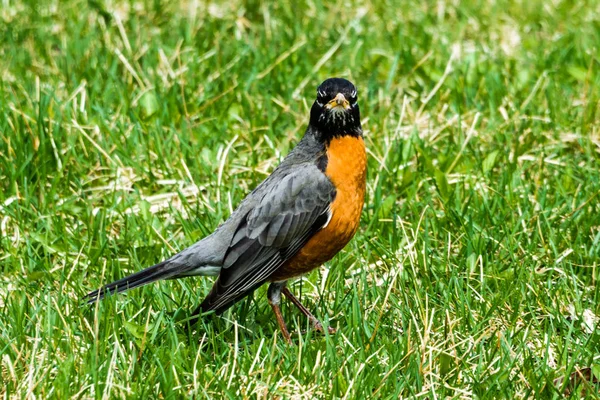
{"x":130,"y":129}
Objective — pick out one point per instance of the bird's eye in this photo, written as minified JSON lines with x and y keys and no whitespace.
{"x":321,"y":97}
{"x":353,"y":97}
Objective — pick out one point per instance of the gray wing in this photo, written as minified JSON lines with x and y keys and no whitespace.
{"x":289,"y":210}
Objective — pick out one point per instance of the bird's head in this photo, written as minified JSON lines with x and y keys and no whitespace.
{"x":335,"y":111}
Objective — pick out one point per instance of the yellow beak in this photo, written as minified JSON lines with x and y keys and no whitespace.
{"x":338,"y":102}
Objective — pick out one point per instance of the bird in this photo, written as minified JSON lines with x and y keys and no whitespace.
{"x":295,"y":220}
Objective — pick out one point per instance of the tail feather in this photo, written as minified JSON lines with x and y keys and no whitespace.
{"x":204,"y":258}
{"x":163,"y":270}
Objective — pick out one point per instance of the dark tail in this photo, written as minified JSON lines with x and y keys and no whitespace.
{"x":163,"y":270}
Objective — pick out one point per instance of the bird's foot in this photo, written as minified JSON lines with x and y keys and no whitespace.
{"x":318,"y":326}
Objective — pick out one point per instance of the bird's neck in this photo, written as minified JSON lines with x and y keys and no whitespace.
{"x":325,"y":136}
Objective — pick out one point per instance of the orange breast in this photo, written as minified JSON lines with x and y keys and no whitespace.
{"x":347,"y":168}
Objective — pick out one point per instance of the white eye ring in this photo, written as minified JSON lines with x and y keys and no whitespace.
{"x":320,"y":93}
{"x":353,"y":94}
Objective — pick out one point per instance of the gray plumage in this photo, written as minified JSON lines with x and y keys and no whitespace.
{"x":273,"y":222}
{"x":268,"y":228}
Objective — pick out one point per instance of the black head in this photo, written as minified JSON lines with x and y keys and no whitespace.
{"x":335,"y":111}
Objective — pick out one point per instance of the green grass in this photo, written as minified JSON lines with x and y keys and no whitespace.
{"x":129,"y":130}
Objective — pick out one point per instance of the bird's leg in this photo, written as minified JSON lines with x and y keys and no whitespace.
{"x":313,"y":320}
{"x":274,"y":297}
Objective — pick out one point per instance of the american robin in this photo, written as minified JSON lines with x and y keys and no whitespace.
{"x":299,"y":217}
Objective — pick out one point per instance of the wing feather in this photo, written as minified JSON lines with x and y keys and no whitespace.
{"x":291,"y":210}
